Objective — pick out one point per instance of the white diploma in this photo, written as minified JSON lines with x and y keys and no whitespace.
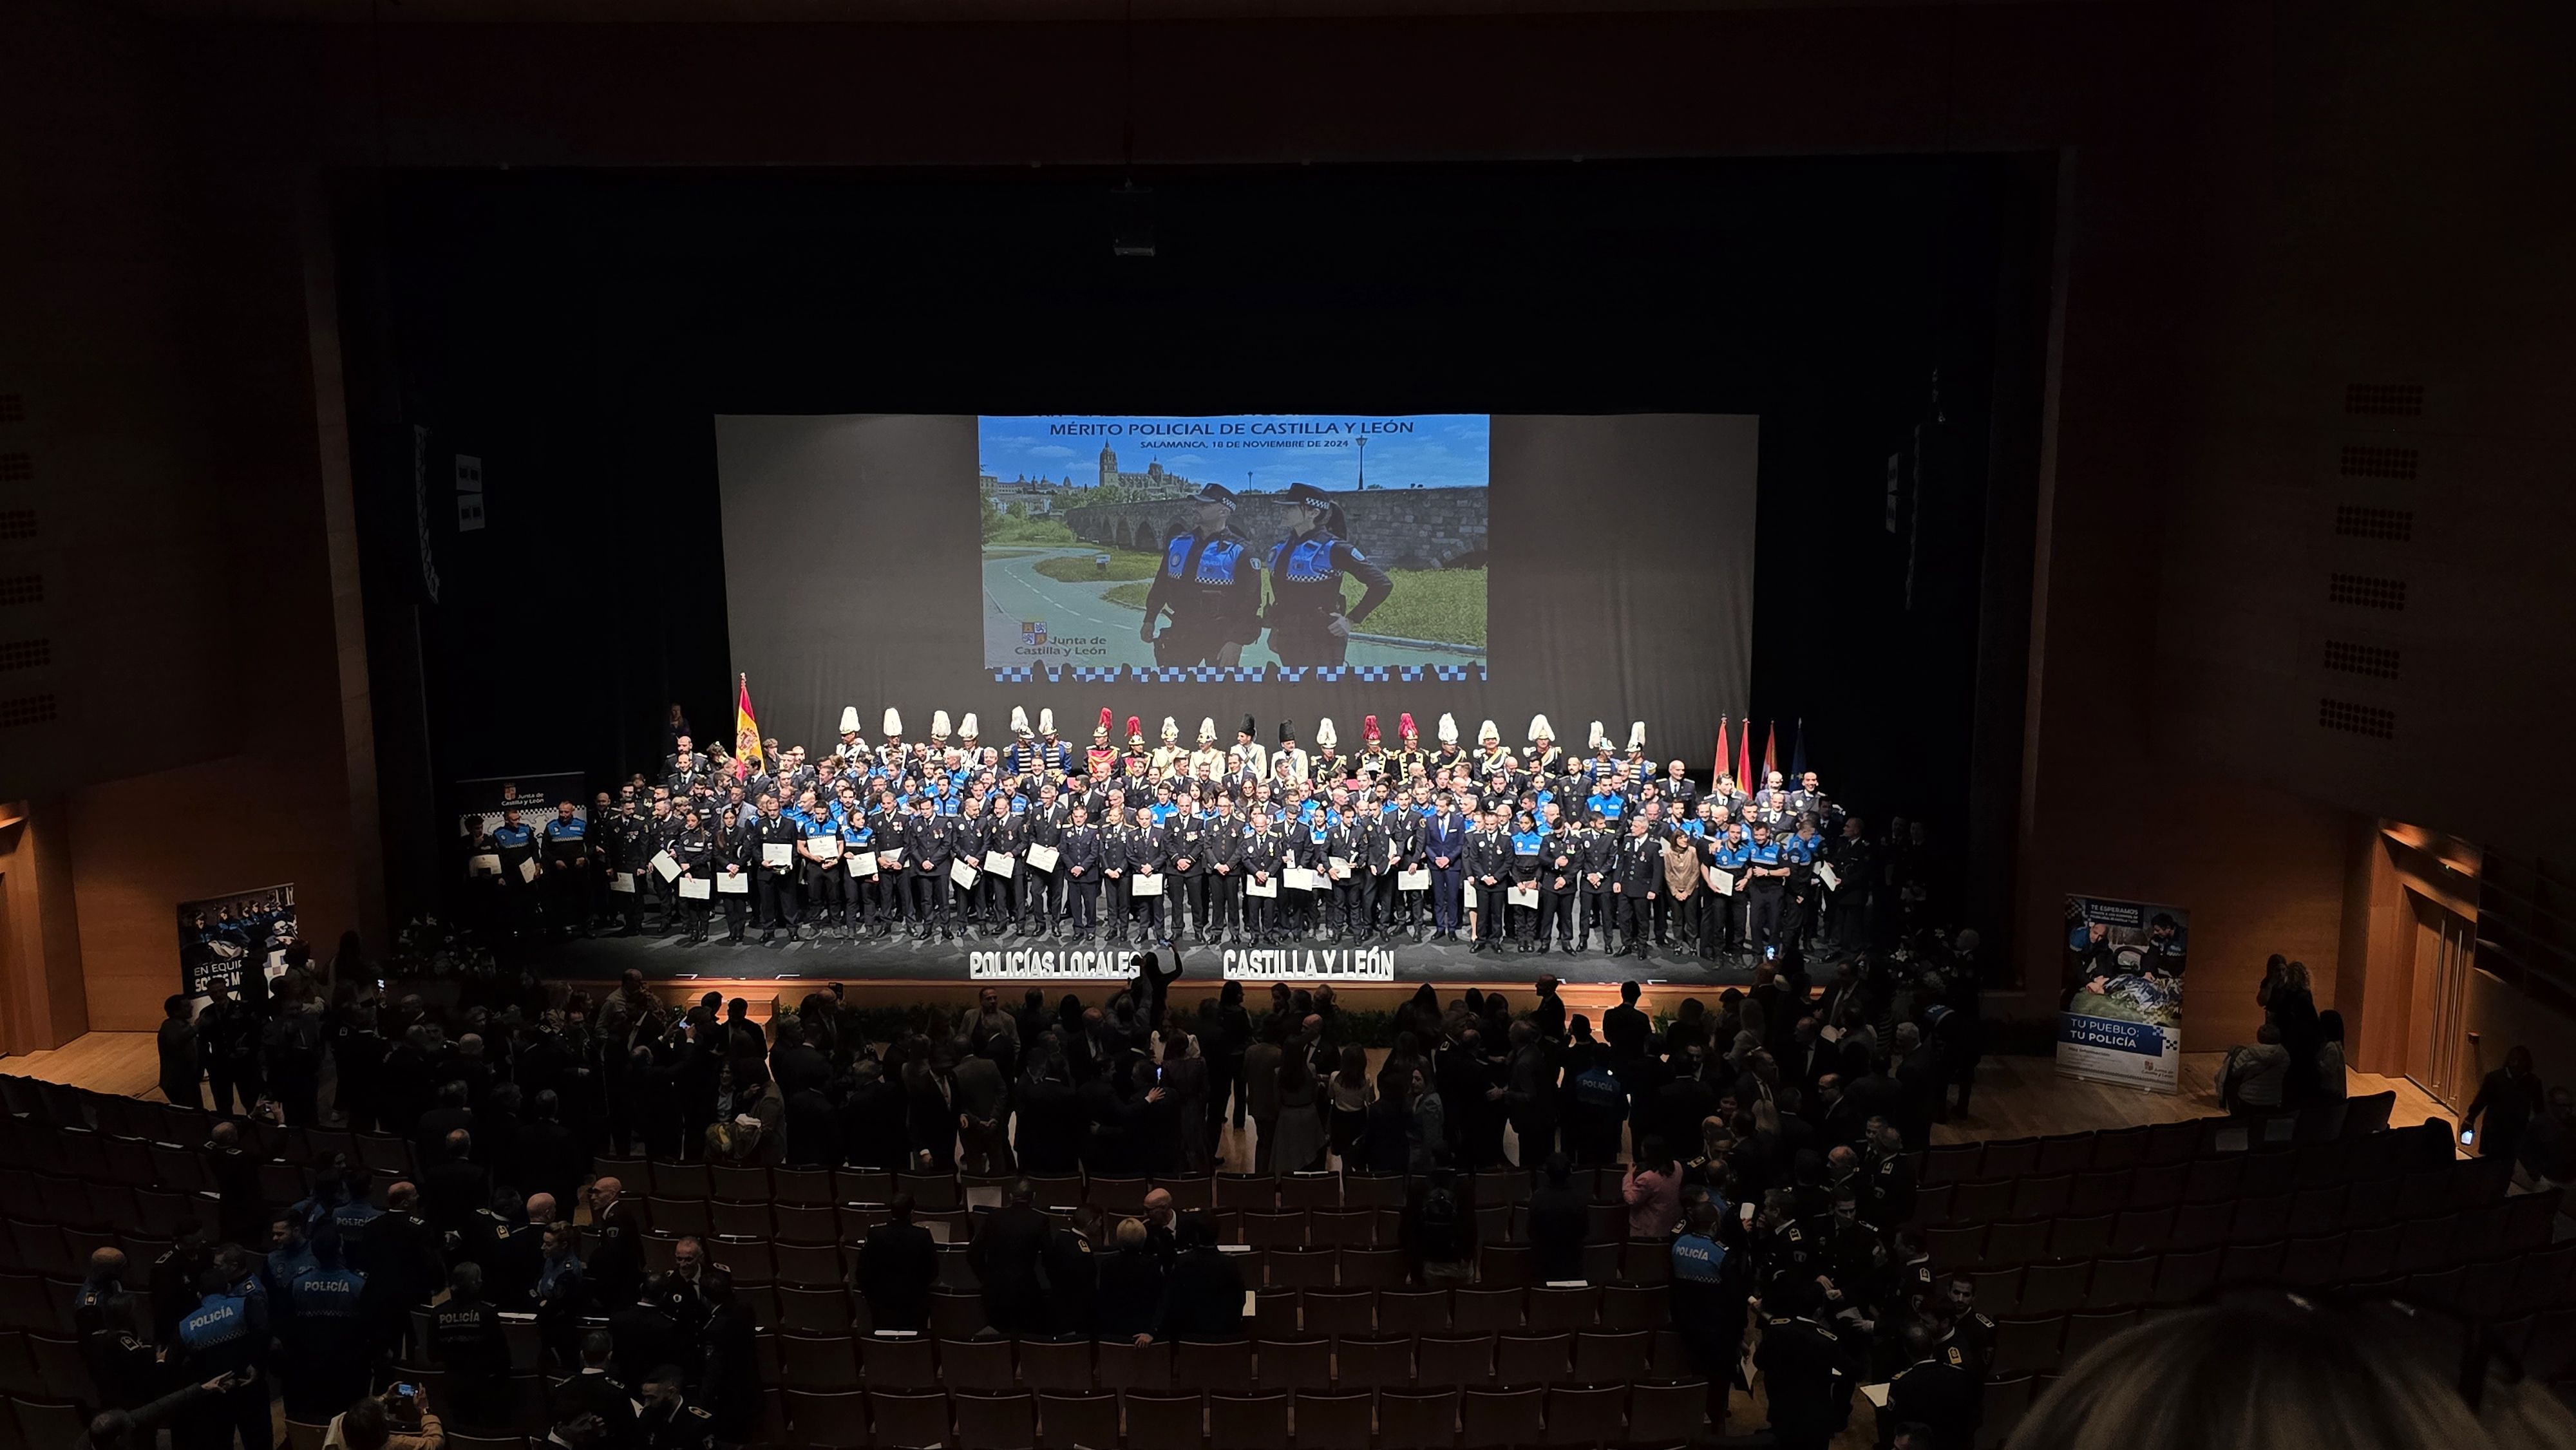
{"x":1145,"y":886}
{"x":997,"y":864}
{"x":890,"y":859}
{"x":1722,"y":882}
{"x":1826,"y":873}
{"x":827,"y":847}
{"x":1522,"y":896}
{"x":667,"y":864}
{"x":1260,"y":888}
{"x":1340,"y":868}
{"x":1298,"y":878}
{"x":483,"y":865}
{"x":734,"y":884}
{"x":777,"y":853}
{"x":863,"y":864}
{"x":1042,"y":858}
{"x":961,"y":873}
{"x":622,"y":881}
{"x":696,"y":888}
{"x":528,"y":870}
{"x":1418,"y":879}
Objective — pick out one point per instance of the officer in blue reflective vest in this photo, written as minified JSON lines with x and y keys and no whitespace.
{"x":227,"y":1333}
{"x":1310,"y":619}
{"x":1211,"y":583}
{"x":567,"y":862}
{"x":515,"y":842}
{"x":326,"y":1328}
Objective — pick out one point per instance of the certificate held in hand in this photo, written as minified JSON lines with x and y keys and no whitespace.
{"x":1522,"y":896}
{"x":1721,"y":882}
{"x":1826,"y":873}
{"x":733,"y":884}
{"x":1145,"y":886}
{"x":666,"y":865}
{"x":777,"y":853}
{"x":1042,"y":858}
{"x":528,"y":870}
{"x":696,"y":888}
{"x":1261,"y":888}
{"x":1340,"y":868}
{"x":827,"y":847}
{"x":1418,"y":879}
{"x":997,"y":864}
{"x":622,"y":881}
{"x":961,"y":872}
{"x":1298,"y":878}
{"x":486,"y":864}
{"x":863,"y":865}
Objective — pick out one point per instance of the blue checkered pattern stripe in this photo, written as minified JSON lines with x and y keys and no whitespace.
{"x":1234,"y":675}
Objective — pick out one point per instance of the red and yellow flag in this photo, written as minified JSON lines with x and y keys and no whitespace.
{"x":746,"y":731}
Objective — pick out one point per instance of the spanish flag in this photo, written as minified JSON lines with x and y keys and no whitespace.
{"x":746,"y":730}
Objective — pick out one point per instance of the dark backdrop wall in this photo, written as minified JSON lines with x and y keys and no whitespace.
{"x":577,"y":333}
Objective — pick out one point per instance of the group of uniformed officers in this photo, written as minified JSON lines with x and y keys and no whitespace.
{"x":1243,"y":844}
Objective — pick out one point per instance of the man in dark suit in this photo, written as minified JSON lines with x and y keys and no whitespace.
{"x":1625,"y":1027}
{"x":1444,"y":846}
{"x":897,"y":1266}
{"x":1005,"y":1254}
{"x":452,"y":1193}
{"x":1203,"y":1294}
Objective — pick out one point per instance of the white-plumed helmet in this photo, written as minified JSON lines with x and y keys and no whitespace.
{"x":1020,"y":721}
{"x":1325,"y":735}
{"x":1486,"y":733}
{"x":1448,"y":728}
{"x":893,"y":722}
{"x":849,"y":719}
{"x":938,"y":724}
{"x":1637,"y":736}
{"x":1539,"y":729}
{"x":966,"y":727}
{"x":1207,"y":729}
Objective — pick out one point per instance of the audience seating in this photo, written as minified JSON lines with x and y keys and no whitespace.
{"x":2068,"y":1239}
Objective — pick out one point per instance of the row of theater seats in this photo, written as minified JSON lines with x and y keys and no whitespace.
{"x":2151,"y":1144}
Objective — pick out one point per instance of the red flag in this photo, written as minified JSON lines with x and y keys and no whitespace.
{"x":1770,"y":752}
{"x":1718,"y":769}
{"x":1744,"y":758}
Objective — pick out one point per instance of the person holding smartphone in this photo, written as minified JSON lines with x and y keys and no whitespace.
{"x":398,"y":1419}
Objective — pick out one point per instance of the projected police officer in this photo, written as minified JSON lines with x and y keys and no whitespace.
{"x":1211,"y":583}
{"x":1308,"y":624}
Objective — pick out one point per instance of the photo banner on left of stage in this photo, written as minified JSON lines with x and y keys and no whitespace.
{"x":223,"y":937}
{"x":2121,"y":1014}
{"x":1087,"y":520}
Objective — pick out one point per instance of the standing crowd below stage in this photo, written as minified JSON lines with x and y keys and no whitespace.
{"x":1535,"y":851}
{"x":1764,"y":1137}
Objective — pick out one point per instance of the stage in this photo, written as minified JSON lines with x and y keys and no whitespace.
{"x":1024,"y":961}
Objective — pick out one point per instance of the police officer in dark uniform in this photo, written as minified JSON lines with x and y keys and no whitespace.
{"x":1937,"y":1390}
{"x":1221,"y":839}
{"x":1211,"y":583}
{"x":228,"y":1334}
{"x":1259,"y":862}
{"x":1641,"y":879}
{"x":928,"y":846}
{"x":1079,"y":864}
{"x":696,"y":850}
{"x":1807,"y":1368}
{"x":1310,"y":620}
{"x":592,"y":1390}
{"x":1489,"y":875}
{"x":1596,"y":865}
{"x":668,"y":1421}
